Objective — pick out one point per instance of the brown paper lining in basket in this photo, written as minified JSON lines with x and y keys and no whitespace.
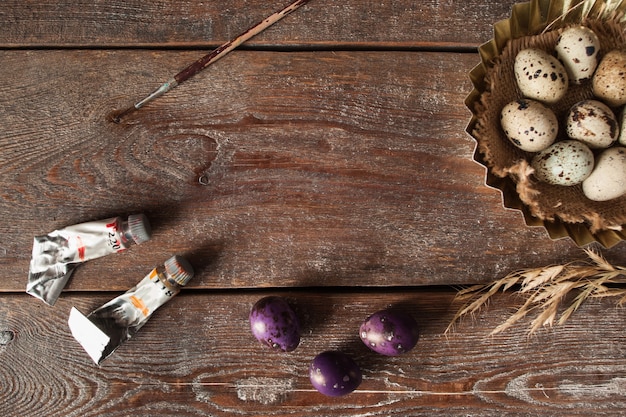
{"x":545,"y":201}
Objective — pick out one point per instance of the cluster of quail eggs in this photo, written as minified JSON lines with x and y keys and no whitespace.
{"x":389,"y":332}
{"x":588,"y":146}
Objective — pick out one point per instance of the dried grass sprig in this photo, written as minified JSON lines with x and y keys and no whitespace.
{"x":545,"y":289}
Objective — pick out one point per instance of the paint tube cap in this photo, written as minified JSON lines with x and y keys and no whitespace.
{"x":179,"y":269}
{"x":139,"y":228}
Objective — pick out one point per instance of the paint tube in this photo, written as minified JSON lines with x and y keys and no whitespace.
{"x":57,"y":254}
{"x":107,"y":327}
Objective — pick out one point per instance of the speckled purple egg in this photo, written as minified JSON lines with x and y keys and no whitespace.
{"x":334,"y":373}
{"x":274,"y":323}
{"x":390,"y":332}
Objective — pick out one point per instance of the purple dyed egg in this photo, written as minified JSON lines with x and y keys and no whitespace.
{"x":274,"y":323}
{"x":389,"y":332}
{"x":334,"y":374}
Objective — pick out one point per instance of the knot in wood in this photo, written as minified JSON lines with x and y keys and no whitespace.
{"x":6,"y":336}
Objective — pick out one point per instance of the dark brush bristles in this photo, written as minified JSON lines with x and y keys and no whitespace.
{"x":116,"y":116}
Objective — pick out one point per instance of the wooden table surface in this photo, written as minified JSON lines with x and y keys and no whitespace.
{"x":338,"y":174}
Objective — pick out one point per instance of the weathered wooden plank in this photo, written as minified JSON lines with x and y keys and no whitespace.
{"x":346,"y":168}
{"x":197,"y":357}
{"x":322,"y":23}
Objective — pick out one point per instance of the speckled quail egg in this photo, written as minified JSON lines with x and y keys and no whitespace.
{"x":334,"y":373}
{"x":389,"y":332}
{"x":622,"y":134}
{"x":592,"y":122}
{"x":274,"y":323}
{"x":529,"y":125}
{"x":567,"y":162}
{"x":609,"y":81}
{"x":608,"y":179}
{"x":540,"y":76}
{"x":577,"y":48}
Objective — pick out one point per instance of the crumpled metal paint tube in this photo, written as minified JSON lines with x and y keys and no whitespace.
{"x":57,"y":254}
{"x":107,"y":327}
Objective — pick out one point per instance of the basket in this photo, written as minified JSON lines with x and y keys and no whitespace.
{"x":564,"y":212}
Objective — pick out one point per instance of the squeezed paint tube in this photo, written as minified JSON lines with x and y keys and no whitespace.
{"x":57,"y":254}
{"x":107,"y":327}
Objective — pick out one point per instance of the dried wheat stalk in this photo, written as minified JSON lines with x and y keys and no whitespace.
{"x":545,"y":288}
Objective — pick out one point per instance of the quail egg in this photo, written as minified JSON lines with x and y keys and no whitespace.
{"x":529,"y":125}
{"x":608,"y":179}
{"x":274,"y":323}
{"x":622,"y":134}
{"x":577,"y":47}
{"x":567,"y":162}
{"x":334,"y":373}
{"x":540,"y":76}
{"x":390,"y":332}
{"x":609,"y":81}
{"x":592,"y":122}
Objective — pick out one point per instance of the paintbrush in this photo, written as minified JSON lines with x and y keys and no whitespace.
{"x":210,"y":58}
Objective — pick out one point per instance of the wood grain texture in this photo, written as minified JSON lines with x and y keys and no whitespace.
{"x":336,"y":172}
{"x":196,"y":356}
{"x":321,"y":23}
{"x":331,"y":168}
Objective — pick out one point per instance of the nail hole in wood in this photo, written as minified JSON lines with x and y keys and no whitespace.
{"x":203,"y":180}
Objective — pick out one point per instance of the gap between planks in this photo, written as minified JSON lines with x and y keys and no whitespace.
{"x":544,"y":390}
{"x":448,"y":47}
